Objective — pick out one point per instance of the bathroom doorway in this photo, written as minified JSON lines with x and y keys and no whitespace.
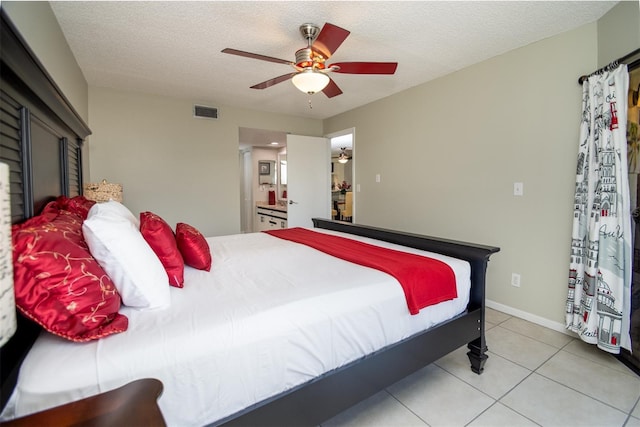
{"x":343,"y":183}
{"x":256,"y":146}
{"x":306,"y":192}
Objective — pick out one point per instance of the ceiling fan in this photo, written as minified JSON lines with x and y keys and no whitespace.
{"x":343,"y":157}
{"x":311,"y":71}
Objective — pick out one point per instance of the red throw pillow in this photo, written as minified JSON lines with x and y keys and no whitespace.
{"x":160,"y":237}
{"x":193,"y":247}
{"x":58,"y":283}
{"x":78,"y":205}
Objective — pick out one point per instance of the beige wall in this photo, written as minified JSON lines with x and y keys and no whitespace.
{"x":185,"y":169}
{"x":449,"y":151}
{"x":38,"y":26}
{"x":619,"y":32}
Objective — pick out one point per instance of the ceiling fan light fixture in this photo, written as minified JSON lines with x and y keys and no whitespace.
{"x":309,"y":81}
{"x":343,"y":158}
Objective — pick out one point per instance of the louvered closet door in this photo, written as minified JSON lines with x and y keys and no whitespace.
{"x":35,"y":113}
{"x":45,"y":150}
{"x":32,"y":141}
{"x":74,"y":167}
{"x":11,"y":152}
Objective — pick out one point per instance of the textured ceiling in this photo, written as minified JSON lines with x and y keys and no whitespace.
{"x":173,"y":48}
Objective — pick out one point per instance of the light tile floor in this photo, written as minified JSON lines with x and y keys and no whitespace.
{"x":534,"y":376}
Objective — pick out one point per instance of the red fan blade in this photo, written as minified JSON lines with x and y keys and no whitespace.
{"x":329,"y":40}
{"x":256,"y":56}
{"x":366,"y":67}
{"x":331,"y":89}
{"x":273,"y":81}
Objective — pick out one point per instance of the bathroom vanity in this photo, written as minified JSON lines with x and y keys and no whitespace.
{"x":270,"y":217}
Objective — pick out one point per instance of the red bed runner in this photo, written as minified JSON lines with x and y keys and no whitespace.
{"x":425,"y":281}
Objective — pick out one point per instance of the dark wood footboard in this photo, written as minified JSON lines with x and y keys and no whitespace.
{"x":477,"y":256}
{"x":322,"y":398}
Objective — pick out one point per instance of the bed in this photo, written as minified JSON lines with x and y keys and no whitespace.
{"x":369,"y":351}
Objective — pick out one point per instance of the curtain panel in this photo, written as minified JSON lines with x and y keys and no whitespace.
{"x":599,"y":294}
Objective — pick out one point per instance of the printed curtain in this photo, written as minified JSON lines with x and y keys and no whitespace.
{"x":599,"y":295}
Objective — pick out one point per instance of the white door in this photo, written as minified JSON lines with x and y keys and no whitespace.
{"x":308,"y":179}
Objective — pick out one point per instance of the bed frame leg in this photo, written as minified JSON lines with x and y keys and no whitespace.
{"x":477,"y":356}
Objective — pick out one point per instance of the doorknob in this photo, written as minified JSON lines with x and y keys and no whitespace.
{"x":292,"y":202}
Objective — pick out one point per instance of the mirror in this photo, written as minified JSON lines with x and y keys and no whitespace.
{"x":266,"y":172}
{"x":282,"y":176}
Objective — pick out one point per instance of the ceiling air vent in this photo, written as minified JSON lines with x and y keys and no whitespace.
{"x":206,"y":112}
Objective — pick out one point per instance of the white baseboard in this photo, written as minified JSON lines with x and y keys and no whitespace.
{"x":556,"y":326}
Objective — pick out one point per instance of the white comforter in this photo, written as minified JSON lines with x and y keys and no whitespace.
{"x":270,"y":315}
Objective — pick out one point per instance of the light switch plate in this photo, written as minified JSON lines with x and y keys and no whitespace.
{"x":518,"y":189}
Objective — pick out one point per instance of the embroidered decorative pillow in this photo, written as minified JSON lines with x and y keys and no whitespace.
{"x":58,"y":283}
{"x":193,"y":247}
{"x":160,"y":237}
{"x":78,"y":205}
{"x":116,"y":242}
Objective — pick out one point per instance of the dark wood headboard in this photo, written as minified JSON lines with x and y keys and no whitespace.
{"x":41,"y":138}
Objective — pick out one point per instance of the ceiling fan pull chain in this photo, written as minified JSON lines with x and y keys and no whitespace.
{"x":310,"y":106}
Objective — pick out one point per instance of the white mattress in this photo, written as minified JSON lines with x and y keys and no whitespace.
{"x":270,"y":315}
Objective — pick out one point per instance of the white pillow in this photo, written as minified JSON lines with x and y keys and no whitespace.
{"x":115,"y":241}
{"x":117,"y":209}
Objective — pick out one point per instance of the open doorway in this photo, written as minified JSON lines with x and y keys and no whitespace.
{"x":260,"y":147}
{"x":284,"y":179}
{"x":343,"y":184}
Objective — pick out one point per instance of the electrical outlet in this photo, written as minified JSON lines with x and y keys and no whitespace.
{"x":377,"y":177}
{"x":515,"y":280}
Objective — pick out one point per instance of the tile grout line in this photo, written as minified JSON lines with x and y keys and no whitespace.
{"x":563,"y":347}
{"x":631,"y":412}
{"x":495,"y":400}
{"x":585,"y":395}
{"x":406,"y":407}
{"x":628,"y":372}
{"x":538,"y":340}
{"x":558,"y":382}
{"x":571,"y":388}
{"x":637,"y":405}
{"x":531,"y":372}
{"x":498,"y":400}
